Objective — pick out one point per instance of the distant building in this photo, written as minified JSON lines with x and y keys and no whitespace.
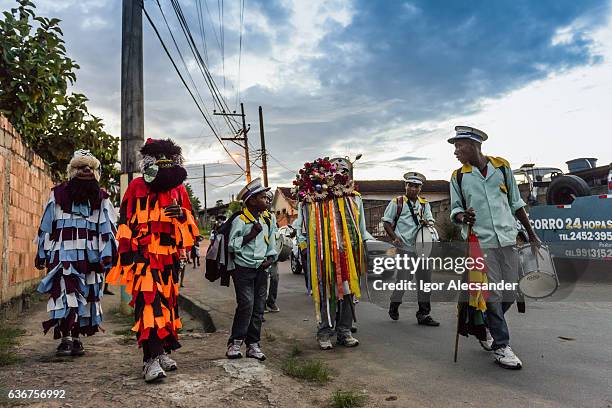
{"x":385,"y":190}
{"x":284,"y":206}
{"x":376,"y":195}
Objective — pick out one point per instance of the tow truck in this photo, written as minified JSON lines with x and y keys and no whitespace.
{"x":571,"y":212}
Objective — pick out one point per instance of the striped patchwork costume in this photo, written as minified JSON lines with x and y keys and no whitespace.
{"x":77,"y":244}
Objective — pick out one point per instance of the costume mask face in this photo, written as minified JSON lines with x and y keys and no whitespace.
{"x":161,"y":164}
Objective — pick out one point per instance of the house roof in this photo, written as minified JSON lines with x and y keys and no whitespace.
{"x":397,"y":186}
{"x":286,"y":191}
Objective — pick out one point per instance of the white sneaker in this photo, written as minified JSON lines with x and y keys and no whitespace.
{"x":167,"y":363}
{"x":506,"y":358}
{"x":488,"y":343}
{"x":254,"y":351}
{"x":152,"y":370}
{"x":233,"y":350}
{"x":347,"y":341}
{"x":325,"y":344}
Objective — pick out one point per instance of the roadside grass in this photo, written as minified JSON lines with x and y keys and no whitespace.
{"x":347,"y":399}
{"x":8,"y":341}
{"x":305,"y":369}
{"x":127,"y":335}
{"x":270,"y":338}
{"x":35,"y":296}
{"x":296,"y":351}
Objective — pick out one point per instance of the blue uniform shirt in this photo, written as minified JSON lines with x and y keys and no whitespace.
{"x":494,"y":202}
{"x":257,"y":250}
{"x":405,"y":228}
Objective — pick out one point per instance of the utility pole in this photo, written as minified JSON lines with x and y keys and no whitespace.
{"x":264,"y":159}
{"x":132,"y":102}
{"x":244,"y":131}
{"x":204,"y":184}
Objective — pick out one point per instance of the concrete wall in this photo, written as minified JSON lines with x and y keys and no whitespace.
{"x":24,"y":190}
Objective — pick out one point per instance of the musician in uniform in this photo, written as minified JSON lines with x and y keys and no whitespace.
{"x":484,"y":195}
{"x":403,"y":218}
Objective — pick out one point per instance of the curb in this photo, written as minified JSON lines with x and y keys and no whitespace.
{"x":198,"y":311}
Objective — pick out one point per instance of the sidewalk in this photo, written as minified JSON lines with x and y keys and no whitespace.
{"x":295,"y":327}
{"x":110,"y":375}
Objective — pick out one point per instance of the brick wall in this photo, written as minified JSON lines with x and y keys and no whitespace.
{"x":24,"y":190}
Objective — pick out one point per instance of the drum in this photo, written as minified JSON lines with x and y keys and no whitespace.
{"x":425,"y":238}
{"x":537,"y":276}
{"x":284,"y":245}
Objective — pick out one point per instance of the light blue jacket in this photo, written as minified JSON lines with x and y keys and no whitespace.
{"x":405,"y":228}
{"x":494,"y":203}
{"x":257,"y":250}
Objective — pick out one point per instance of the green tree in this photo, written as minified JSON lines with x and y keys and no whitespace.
{"x":234,"y":206}
{"x":35,"y":74}
{"x":195,"y":201}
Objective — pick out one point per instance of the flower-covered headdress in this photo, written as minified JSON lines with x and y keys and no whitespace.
{"x":322,"y":179}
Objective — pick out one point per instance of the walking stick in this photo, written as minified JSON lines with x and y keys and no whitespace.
{"x":469,"y":232}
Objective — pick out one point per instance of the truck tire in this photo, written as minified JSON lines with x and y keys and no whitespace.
{"x":564,"y":189}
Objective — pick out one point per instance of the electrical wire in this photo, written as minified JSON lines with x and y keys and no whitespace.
{"x":240,"y":50}
{"x":185,"y":84}
{"x":178,"y":50}
{"x":217,"y":96}
{"x":202,"y":29}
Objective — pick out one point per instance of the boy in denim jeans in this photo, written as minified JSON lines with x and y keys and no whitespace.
{"x":252,"y":248}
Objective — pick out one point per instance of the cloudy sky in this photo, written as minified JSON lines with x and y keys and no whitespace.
{"x":388,"y":79}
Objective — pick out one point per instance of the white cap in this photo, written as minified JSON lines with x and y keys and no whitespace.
{"x":251,"y":189}
{"x":414,"y":177}
{"x":467,"y":132}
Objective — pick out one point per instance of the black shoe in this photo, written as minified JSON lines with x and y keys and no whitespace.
{"x":394,"y":310}
{"x":64,"y":349}
{"x":428,"y":321}
{"x":77,"y":348}
{"x":108,"y":292}
{"x":272,"y":308}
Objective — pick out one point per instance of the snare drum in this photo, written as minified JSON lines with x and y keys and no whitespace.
{"x":425,"y":238}
{"x":538,"y":277}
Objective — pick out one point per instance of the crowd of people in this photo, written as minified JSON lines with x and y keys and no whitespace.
{"x":84,"y":244}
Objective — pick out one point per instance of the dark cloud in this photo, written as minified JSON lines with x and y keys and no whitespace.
{"x":441,"y":57}
{"x":395,"y":64}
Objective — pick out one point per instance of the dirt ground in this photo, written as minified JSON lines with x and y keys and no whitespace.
{"x":110,"y":373}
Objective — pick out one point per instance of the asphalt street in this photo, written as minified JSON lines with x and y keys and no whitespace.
{"x":564,"y":345}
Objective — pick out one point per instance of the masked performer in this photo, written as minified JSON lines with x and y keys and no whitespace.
{"x":155,"y":222}
{"x":332,"y":224}
{"x":76,"y":242}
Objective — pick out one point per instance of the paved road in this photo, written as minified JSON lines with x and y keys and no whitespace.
{"x":565,"y":347}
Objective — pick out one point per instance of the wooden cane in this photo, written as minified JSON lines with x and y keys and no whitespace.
{"x":469,"y":232}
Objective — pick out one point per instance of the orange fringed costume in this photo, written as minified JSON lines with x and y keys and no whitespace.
{"x":148,"y":264}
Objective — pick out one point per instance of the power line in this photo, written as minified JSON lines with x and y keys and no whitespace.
{"x":279,"y":162}
{"x":202,"y":29}
{"x":216,"y":176}
{"x":184,"y":83}
{"x":227,"y":184}
{"x":218,"y":98}
{"x":240,"y":50}
{"x":178,"y":50}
